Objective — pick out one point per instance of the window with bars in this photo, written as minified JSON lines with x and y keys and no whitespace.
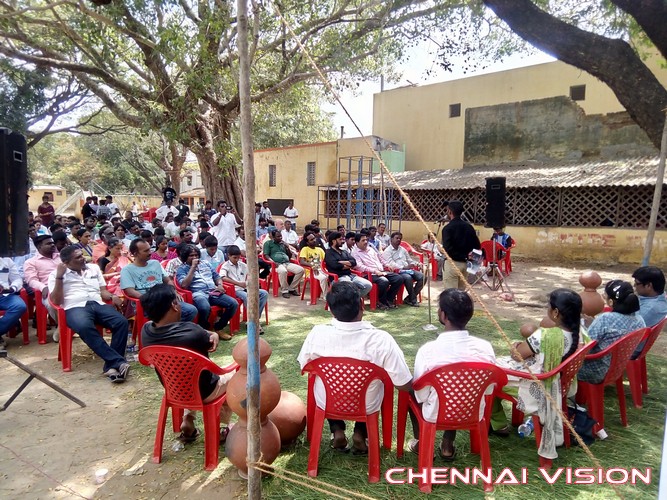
{"x":272,"y":176}
{"x":310,"y":174}
{"x":455,"y":110}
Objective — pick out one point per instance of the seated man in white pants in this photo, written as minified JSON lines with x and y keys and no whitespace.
{"x":275,"y":250}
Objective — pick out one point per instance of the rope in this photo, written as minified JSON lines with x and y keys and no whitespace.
{"x":36,"y":468}
{"x":469,"y":289}
{"x":315,"y":484}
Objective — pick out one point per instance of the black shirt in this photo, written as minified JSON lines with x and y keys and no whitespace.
{"x":183,"y":334}
{"x":332,"y":259}
{"x":459,"y":239}
{"x":87,"y":210}
{"x":183,"y":210}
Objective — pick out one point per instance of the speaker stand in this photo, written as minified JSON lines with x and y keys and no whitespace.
{"x":34,"y":375}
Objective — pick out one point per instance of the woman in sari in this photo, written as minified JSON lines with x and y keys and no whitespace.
{"x":543,"y":351}
{"x":84,"y":243}
{"x":162,"y":250}
{"x":112,"y":263}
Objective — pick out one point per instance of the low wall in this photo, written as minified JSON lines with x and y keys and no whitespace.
{"x":596,"y":244}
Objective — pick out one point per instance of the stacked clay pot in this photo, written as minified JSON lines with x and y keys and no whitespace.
{"x":289,"y":417}
{"x":236,"y":446}
{"x":593,"y":303}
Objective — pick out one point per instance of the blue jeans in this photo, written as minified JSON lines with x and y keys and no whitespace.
{"x":203,"y":302}
{"x":362,"y":284}
{"x":14,"y":307}
{"x":188,"y":311}
{"x":263,"y":297}
{"x":83,"y":320}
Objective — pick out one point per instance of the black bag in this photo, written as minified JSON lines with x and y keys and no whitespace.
{"x":583,"y":425}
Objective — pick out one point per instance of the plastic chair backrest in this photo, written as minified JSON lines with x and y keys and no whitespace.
{"x":652,"y":336}
{"x":569,"y":368}
{"x":179,"y":370}
{"x":346,"y":381}
{"x":487,"y":248}
{"x":460,"y":388}
{"x":620,"y":351}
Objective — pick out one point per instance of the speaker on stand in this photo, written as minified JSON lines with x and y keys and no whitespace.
{"x":13,"y":194}
{"x":495,"y":217}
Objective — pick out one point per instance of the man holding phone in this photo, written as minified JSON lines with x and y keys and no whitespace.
{"x":207,"y":290}
{"x":223,"y":226}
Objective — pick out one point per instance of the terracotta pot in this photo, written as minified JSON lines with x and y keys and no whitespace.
{"x":236,"y":446}
{"x":592,"y":301}
{"x":527,"y":329}
{"x":289,"y":417}
{"x":269,"y":393}
{"x":240,"y":352}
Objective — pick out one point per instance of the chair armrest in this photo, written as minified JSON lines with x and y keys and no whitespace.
{"x":221,"y":370}
{"x":230,"y":289}
{"x":526,"y":375}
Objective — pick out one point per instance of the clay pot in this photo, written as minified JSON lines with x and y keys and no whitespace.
{"x":592,"y":301}
{"x":289,"y":417}
{"x":240,"y":353}
{"x":269,"y":392}
{"x":527,"y":329}
{"x":236,"y":446}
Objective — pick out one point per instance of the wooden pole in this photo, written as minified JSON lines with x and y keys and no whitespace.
{"x":657,"y":194}
{"x":252,"y":387}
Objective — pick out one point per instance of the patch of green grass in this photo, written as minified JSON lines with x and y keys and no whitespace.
{"x":638,"y":445}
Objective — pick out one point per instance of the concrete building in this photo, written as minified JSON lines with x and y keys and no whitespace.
{"x":56,"y":194}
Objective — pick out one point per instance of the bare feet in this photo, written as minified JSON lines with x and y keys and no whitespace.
{"x":339,"y":440}
{"x":359,"y":443}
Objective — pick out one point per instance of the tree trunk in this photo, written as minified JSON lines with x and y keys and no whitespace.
{"x":220,"y":177}
{"x":611,"y":60}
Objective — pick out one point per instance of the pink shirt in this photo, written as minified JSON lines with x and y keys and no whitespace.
{"x":369,"y":260}
{"x":36,"y":270}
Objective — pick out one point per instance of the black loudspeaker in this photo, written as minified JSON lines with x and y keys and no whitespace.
{"x":495,"y":202}
{"x":14,"y":194}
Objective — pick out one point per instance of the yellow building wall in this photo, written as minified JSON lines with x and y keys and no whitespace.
{"x":35,"y":199}
{"x":291,"y":172}
{"x":562,"y":244}
{"x":419,"y":116}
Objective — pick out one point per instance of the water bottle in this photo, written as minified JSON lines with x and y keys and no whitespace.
{"x":526,"y":429}
{"x":131,"y":349}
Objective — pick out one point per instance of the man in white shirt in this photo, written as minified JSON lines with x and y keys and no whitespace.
{"x":289,"y":236}
{"x":265,"y":211}
{"x":431,"y":247}
{"x":167,"y":208}
{"x":347,"y":335}
{"x":454,"y":345}
{"x":81,"y":290}
{"x":409,"y":270}
{"x":10,"y":302}
{"x":291,"y":214}
{"x":223,"y":226}
{"x":111,"y":205}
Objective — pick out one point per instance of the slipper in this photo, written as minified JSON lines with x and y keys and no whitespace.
{"x":224,"y":432}
{"x":504,"y":432}
{"x":188,"y":439}
{"x":345,"y":450}
{"x":286,"y":295}
{"x":447,"y":458}
{"x":357,"y":452}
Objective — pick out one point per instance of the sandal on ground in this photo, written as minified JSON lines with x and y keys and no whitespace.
{"x":447,"y":458}
{"x":413,"y":446}
{"x":503,"y":432}
{"x":357,"y":452}
{"x":339,"y":449}
{"x":224,"y":432}
{"x":188,"y":439}
{"x":286,"y":295}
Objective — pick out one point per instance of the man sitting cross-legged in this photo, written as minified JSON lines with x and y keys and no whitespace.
{"x":409,"y":270}
{"x":235,"y":271}
{"x":144,"y":273}
{"x":370,"y":260}
{"x":454,"y":345}
{"x":206,"y":287}
{"x":81,"y":290}
{"x":163,"y":308}
{"x":347,"y":335}
{"x":277,"y":251}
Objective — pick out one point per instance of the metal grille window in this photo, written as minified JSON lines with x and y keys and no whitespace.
{"x":578,"y":92}
{"x":272,"y":176}
{"x":455,"y":110}
{"x":310,"y":175}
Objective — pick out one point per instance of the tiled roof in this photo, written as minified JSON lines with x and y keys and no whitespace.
{"x":615,"y":172}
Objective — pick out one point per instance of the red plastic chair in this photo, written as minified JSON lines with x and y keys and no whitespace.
{"x":234,"y":322}
{"x":432,"y":261}
{"x":140,"y":318}
{"x":315,"y":289}
{"x":346,"y":381}
{"x":230,"y":290}
{"x":66,"y":336}
{"x":636,"y":368}
{"x":460,"y":388}
{"x":593,"y":394}
{"x":490,"y":258}
{"x":273,"y":279}
{"x":373,"y":295}
{"x":568,"y":370}
{"x":333,"y":278}
{"x":179,"y":371}
{"x":25,"y":320}
{"x":412,"y":251}
{"x":41,"y":316}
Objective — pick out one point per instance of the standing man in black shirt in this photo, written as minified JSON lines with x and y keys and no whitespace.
{"x":163,"y":307}
{"x":458,"y":239}
{"x":183,"y":209}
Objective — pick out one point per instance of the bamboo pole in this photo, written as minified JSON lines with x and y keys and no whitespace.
{"x":657,"y":194}
{"x":252,"y":387}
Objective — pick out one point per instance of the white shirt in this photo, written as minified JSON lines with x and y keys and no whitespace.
{"x":358,"y":340}
{"x":449,"y":347}
{"x":432,"y":247}
{"x":162,"y":212}
{"x":80,"y":288}
{"x":225,"y":230}
{"x":240,"y":243}
{"x":290,"y":237}
{"x":398,"y":257}
{"x":291,"y":214}
{"x":237,"y":272}
{"x":9,"y":275}
{"x":266,"y":213}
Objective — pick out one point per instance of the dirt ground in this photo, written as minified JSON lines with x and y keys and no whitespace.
{"x":51,"y":448}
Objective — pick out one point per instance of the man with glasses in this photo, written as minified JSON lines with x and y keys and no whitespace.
{"x":650,"y":288}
